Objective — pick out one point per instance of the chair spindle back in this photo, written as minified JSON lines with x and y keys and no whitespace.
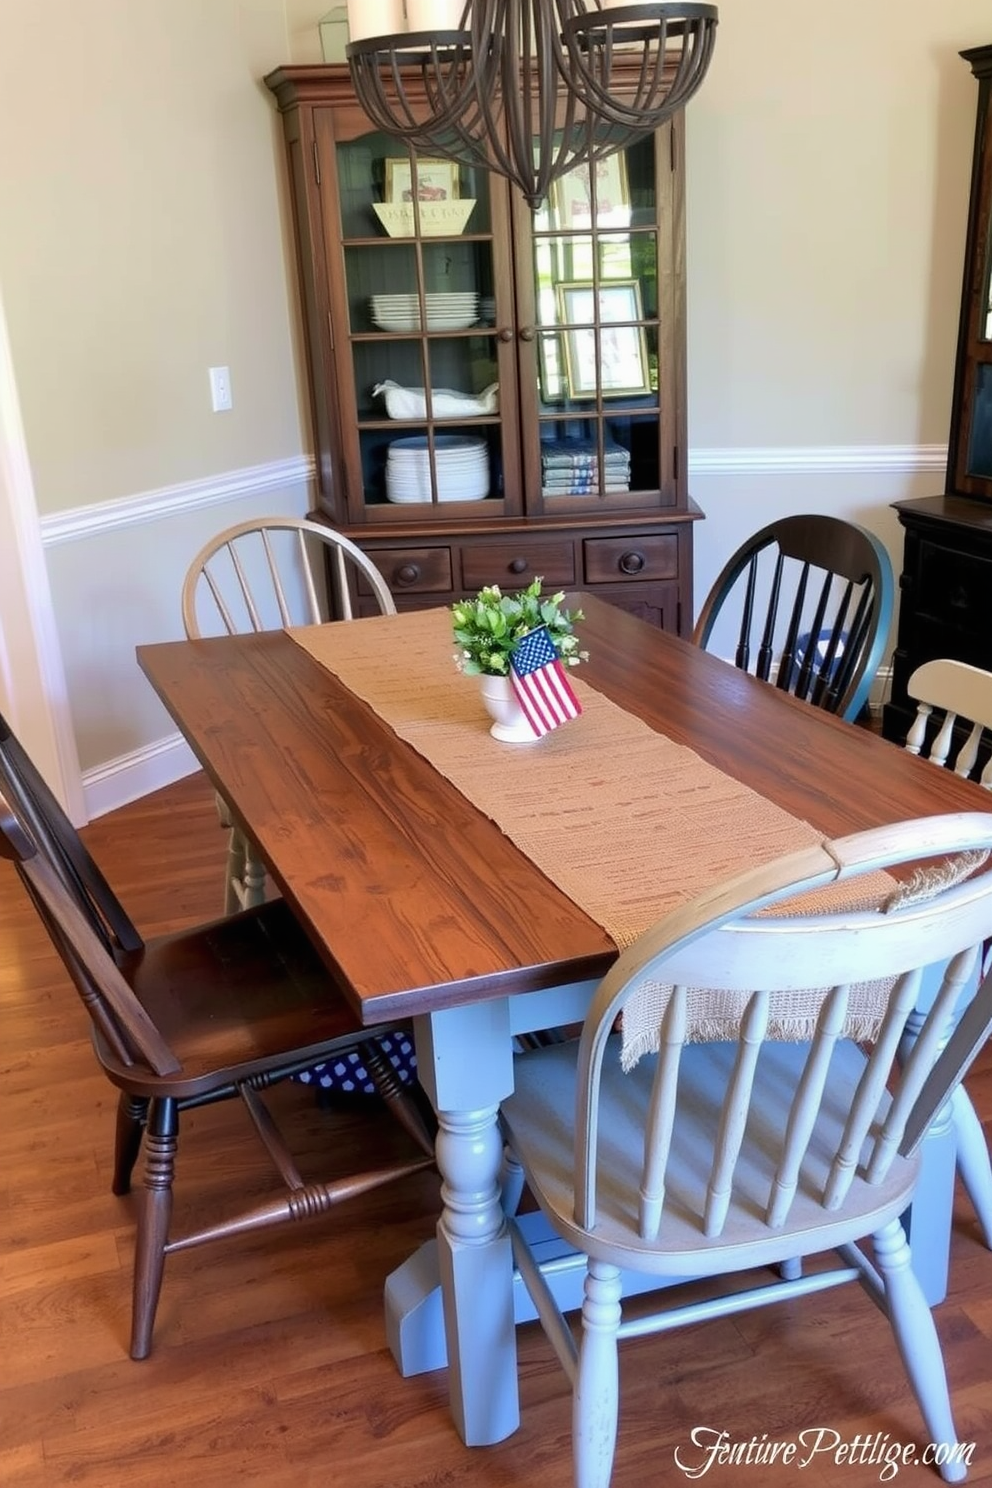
{"x":963,"y":694}
{"x":814,"y":596}
{"x":722,"y":943}
{"x":277,"y":572}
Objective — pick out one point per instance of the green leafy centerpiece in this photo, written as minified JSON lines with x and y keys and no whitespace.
{"x":519,"y":645}
{"x":488,"y":628}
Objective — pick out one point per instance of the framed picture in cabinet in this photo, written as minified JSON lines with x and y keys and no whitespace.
{"x":571,"y":195}
{"x":621,"y":369}
{"x":437,"y":180}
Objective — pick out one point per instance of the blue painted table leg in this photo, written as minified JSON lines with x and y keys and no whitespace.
{"x":928,"y":1221}
{"x":414,"y":1314}
{"x":465,"y":1061}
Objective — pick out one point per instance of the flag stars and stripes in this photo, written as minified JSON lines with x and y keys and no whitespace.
{"x":541,"y":684}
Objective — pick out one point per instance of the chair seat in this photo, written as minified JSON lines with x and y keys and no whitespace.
{"x":540,"y":1122}
{"x":233,"y":999}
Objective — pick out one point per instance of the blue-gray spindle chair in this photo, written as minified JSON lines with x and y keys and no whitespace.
{"x":708,"y":1159}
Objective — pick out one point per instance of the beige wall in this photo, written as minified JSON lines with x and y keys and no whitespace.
{"x":829,"y":154}
{"x":144,"y":238}
{"x":302,"y":18}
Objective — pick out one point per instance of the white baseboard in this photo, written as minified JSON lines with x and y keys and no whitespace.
{"x":881,"y":689}
{"x":131,"y":776}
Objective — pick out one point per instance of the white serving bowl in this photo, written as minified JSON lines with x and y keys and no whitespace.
{"x":437,"y":219}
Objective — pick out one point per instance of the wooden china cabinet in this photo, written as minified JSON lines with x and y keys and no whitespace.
{"x":946,"y":582}
{"x":533,"y":420}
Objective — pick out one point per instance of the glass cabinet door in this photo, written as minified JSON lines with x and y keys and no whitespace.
{"x":969,"y":470}
{"x":604,"y":422}
{"x":431,"y":381}
{"x":975,"y":437}
{"x":979,"y":445}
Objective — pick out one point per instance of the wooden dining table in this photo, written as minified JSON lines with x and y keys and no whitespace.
{"x":426,"y":910}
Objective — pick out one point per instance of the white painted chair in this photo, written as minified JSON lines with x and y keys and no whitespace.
{"x":963,"y":695}
{"x":268,"y":574}
{"x":712,"y":1158}
{"x":954,"y":708}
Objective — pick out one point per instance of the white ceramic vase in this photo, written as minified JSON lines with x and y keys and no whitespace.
{"x":509,"y":720}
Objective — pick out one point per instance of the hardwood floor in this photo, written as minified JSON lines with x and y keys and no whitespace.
{"x":269,"y":1364}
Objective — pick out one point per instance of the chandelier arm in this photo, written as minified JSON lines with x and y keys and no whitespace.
{"x":587,"y":43}
{"x":451,"y":80}
{"x":526,"y":76}
{"x":516,"y":42}
{"x":445,"y":61}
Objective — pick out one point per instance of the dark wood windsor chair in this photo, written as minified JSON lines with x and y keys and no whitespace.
{"x":812,"y":596}
{"x":218,"y":1012}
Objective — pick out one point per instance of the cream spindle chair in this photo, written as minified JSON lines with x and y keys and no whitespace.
{"x":957,"y":699}
{"x":964,"y":695}
{"x":268,"y":574}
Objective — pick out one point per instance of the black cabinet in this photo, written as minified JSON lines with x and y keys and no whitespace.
{"x":969,"y":466}
{"x":946,"y":594}
{"x":946,"y":580}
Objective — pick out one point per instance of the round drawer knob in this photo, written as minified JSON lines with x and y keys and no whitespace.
{"x":527,"y":333}
{"x":408,"y":574}
{"x":632,"y":563}
{"x":504,"y":334}
{"x":518,"y":565}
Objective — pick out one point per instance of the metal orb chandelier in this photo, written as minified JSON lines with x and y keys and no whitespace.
{"x":531,"y":88}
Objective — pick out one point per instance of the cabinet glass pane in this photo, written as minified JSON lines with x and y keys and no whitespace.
{"x":375,"y":172}
{"x":607,"y":336}
{"x":980,"y":442}
{"x":596,"y":254}
{"x":619,"y":193}
{"x":614,"y":256}
{"x":986,"y":334}
{"x":598,"y":461}
{"x":463,"y":365}
{"x":373,"y":271}
{"x":401,"y":288}
{"x":421,"y":466}
{"x":466,"y":367}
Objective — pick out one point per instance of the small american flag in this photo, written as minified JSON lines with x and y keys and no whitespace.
{"x":540,"y":683}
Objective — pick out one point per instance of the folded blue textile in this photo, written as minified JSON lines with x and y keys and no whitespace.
{"x":348,"y":1073}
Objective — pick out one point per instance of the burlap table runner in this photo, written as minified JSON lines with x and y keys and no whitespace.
{"x":623,"y":820}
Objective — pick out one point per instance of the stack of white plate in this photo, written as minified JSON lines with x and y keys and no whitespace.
{"x":461,"y":462}
{"x":445,"y":311}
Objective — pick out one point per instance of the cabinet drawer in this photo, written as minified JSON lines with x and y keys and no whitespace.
{"x":412,"y":570}
{"x":518,"y":563}
{"x":608,"y":559}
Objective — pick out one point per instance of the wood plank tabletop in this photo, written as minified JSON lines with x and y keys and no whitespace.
{"x":416,"y":899}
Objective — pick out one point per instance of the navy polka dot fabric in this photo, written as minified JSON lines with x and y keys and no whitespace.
{"x":348,"y":1073}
